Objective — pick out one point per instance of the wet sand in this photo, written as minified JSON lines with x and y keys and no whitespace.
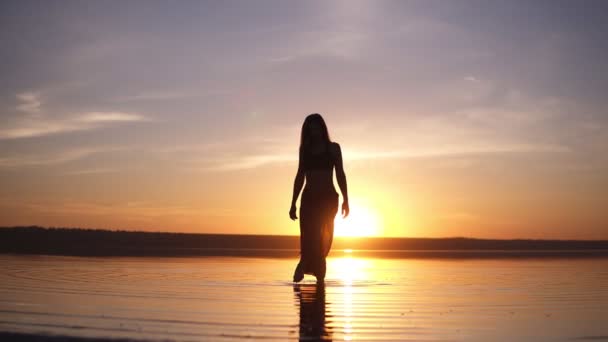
{"x":249,"y":298}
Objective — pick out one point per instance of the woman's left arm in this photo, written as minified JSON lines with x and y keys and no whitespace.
{"x":341,"y":177}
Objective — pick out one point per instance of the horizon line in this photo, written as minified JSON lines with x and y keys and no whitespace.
{"x":119,"y":230}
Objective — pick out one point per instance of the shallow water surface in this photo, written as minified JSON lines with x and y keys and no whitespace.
{"x":240,"y":298}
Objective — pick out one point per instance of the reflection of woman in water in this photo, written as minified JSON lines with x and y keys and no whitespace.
{"x":311,"y":298}
{"x":319,"y":204}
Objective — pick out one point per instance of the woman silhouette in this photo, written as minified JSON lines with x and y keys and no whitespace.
{"x":319,"y":204}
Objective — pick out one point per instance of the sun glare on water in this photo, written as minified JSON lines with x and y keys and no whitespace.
{"x":360,"y":222}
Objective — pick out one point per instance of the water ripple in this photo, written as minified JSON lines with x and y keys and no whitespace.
{"x":237,"y":298}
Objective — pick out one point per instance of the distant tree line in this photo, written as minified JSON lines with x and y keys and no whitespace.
{"x":103,"y":242}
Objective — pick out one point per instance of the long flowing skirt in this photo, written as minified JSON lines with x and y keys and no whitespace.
{"x":317,"y":212}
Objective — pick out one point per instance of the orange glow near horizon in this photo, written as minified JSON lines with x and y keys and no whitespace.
{"x":362,"y":221}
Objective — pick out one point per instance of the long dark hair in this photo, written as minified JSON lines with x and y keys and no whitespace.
{"x":305,"y":138}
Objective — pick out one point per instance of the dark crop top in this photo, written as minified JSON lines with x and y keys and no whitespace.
{"x":321,"y":161}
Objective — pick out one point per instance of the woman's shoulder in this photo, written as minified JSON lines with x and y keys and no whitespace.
{"x":334,"y":147}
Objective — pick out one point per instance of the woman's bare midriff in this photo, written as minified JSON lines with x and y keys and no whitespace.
{"x":320,"y":181}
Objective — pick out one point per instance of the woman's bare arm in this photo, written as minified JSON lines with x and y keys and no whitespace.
{"x":298,"y":183}
{"x":341,"y":177}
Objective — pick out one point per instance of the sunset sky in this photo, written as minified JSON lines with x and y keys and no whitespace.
{"x":456,"y":118}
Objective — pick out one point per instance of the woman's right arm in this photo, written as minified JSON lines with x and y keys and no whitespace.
{"x":298,"y":183}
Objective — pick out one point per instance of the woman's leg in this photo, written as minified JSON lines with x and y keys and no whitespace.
{"x":317,"y":213}
{"x":328,"y":214}
{"x":311,"y":223}
{"x":305,"y":242}
{"x":298,"y":274}
{"x":307,"y":232}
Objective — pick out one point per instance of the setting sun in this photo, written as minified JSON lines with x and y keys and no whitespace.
{"x":361,"y":221}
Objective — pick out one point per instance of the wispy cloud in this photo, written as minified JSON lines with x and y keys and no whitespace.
{"x":222,"y":161}
{"x":41,"y":126}
{"x":100,"y":117}
{"x":247,"y":162}
{"x":345,"y":44}
{"x":51,"y":158}
{"x":37,"y":122}
{"x":170,"y":94}
{"x":142,"y":210}
{"x":29,"y":102}
{"x":456,"y":151}
{"x":91,"y":171}
{"x":28,"y":128}
{"x":153,"y":96}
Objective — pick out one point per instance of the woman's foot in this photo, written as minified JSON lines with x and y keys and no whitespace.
{"x":298,"y":274}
